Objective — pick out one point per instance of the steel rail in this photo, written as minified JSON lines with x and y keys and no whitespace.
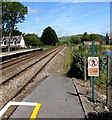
{"x":31,"y":79}
{"x":16,"y":58}
{"x":7,"y":80}
{"x":21,"y":59}
{"x":37,"y":72}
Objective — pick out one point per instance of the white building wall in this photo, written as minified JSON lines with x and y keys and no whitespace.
{"x":3,"y":44}
{"x":22,"y":43}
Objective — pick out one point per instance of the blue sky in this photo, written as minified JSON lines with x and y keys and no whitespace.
{"x":67,"y":18}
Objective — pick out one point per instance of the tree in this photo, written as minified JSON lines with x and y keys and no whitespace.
{"x":85,"y":37}
{"x":75,"y":39}
{"x":90,"y":37}
{"x":12,"y":14}
{"x":93,"y":37}
{"x":49,"y":37}
{"x":107,"y":39}
{"x":32,"y":40}
{"x":16,"y":32}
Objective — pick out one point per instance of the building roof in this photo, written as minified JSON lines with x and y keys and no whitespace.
{"x":17,"y":38}
{"x":14,"y":38}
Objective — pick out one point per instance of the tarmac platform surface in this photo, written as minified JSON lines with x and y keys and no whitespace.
{"x":58,"y":97}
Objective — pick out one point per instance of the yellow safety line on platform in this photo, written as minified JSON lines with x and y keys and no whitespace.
{"x":35,"y":112}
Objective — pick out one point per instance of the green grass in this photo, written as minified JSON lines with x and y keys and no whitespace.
{"x":67,"y":60}
{"x":45,"y":47}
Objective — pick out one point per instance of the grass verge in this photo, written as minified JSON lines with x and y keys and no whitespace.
{"x":67,"y":60}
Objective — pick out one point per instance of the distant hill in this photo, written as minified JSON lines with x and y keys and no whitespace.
{"x":68,"y":38}
{"x":78,"y":38}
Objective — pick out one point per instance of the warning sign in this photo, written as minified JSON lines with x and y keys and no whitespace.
{"x":93,"y":66}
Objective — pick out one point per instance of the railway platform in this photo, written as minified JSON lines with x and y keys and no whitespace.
{"x":8,"y":55}
{"x":55,"y":97}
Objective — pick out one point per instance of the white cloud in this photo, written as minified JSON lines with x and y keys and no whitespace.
{"x":31,"y":10}
{"x":38,"y":19}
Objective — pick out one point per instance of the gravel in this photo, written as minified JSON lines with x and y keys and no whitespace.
{"x":99,"y":105}
{"x":8,"y":90}
{"x":7,"y":72}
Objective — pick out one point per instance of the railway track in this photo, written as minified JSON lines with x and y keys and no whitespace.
{"x":14,"y":85}
{"x":15,"y":61}
{"x":8,"y":67}
{"x":19,"y":59}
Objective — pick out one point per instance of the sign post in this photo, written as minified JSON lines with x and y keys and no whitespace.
{"x":93,"y":68}
{"x":92,"y":76}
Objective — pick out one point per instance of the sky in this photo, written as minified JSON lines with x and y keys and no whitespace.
{"x":67,"y":18}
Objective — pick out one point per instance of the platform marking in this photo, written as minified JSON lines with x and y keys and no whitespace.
{"x":35,"y":112}
{"x":16,"y":103}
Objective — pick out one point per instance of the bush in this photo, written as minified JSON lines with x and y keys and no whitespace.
{"x":32,"y":40}
{"x":77,"y":67}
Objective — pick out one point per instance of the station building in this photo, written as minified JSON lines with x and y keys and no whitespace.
{"x":14,"y":43}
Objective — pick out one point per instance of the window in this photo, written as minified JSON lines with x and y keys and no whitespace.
{"x":4,"y":42}
{"x":15,"y":42}
{"x":18,"y":42}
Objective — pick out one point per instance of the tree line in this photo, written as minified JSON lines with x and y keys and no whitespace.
{"x":49,"y":37}
{"x":80,"y":38}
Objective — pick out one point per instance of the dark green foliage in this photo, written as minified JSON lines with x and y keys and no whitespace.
{"x":75,"y":39}
{"x":16,"y":32}
{"x":101,"y":79}
{"x":49,"y":37}
{"x":95,"y":37}
{"x":79,"y":39}
{"x":85,"y":37}
{"x":111,"y":42}
{"x":77,"y":68}
{"x":12,"y":14}
{"x":107,"y":39}
{"x":32,"y":40}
